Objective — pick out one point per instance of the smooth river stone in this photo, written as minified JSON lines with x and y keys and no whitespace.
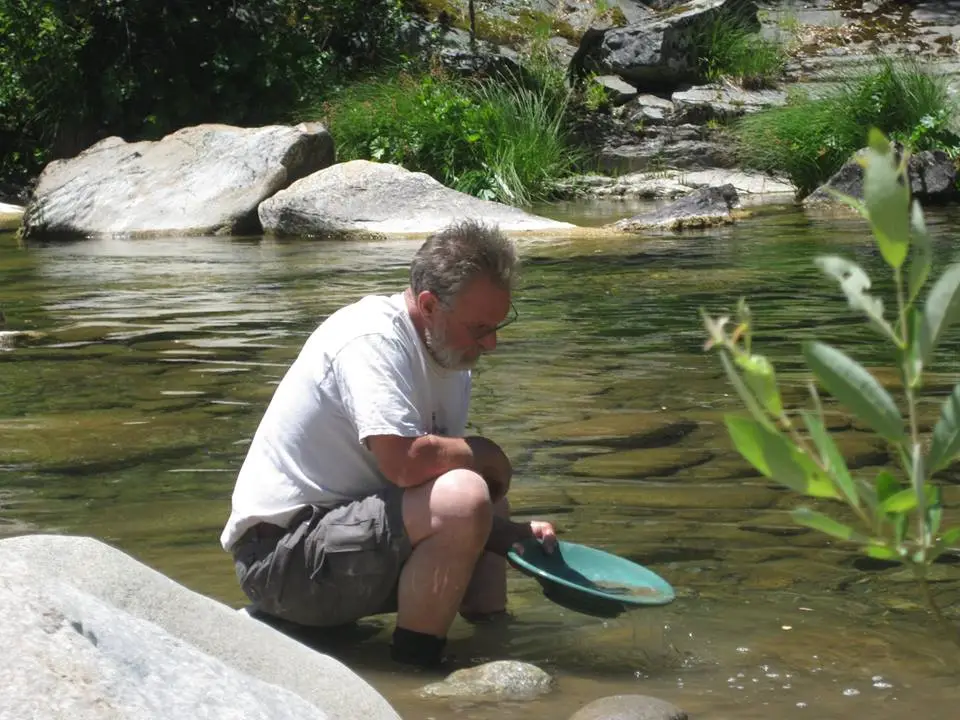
{"x":498,"y":680}
{"x":642,"y":463}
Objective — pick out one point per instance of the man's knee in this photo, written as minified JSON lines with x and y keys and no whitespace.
{"x":457,"y":505}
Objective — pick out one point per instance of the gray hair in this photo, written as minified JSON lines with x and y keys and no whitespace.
{"x":461,"y":252}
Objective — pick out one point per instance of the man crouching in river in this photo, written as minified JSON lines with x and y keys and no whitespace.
{"x":360,"y":493}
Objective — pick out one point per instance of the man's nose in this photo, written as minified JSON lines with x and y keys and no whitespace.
{"x":489,"y":342}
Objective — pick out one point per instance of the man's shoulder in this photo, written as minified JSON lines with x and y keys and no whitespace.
{"x":378,"y":318}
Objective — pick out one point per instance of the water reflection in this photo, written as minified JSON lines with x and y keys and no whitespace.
{"x":129,"y":419}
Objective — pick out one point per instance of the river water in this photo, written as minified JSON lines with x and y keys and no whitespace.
{"x":128,"y":419}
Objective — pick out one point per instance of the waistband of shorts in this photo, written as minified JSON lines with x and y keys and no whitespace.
{"x":265,"y":531}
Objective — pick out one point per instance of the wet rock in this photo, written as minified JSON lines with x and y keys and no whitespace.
{"x":660,"y":52}
{"x":207,"y":179}
{"x":10,"y":339}
{"x":92,"y":633}
{"x":723,"y":102}
{"x":499,"y":680}
{"x":671,"y":184}
{"x":629,"y":707}
{"x":706,"y":207}
{"x":349,"y":197}
{"x":10,"y":216}
{"x":933,"y":180}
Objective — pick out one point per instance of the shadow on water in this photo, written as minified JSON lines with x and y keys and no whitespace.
{"x":128,"y":418}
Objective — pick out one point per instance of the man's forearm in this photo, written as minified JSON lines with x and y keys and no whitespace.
{"x":433,"y":455}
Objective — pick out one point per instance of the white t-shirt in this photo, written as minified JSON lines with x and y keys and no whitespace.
{"x":364,"y":371}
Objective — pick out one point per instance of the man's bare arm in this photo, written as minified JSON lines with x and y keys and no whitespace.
{"x":409,"y":462}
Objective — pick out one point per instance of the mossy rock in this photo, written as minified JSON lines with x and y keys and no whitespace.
{"x":642,"y":463}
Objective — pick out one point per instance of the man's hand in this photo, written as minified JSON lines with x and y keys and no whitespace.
{"x":506,"y":534}
{"x":542,"y":531}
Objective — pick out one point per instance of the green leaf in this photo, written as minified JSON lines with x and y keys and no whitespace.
{"x":887,"y":199}
{"x":831,"y":458}
{"x":854,"y":387}
{"x":921,"y":253}
{"x":946,"y":434}
{"x":819,"y":521}
{"x":759,"y":375}
{"x":744,"y":392}
{"x":941,"y":310}
{"x":854,"y":282}
{"x":910,"y":358}
{"x":950,"y":537}
{"x":881,"y":552}
{"x":900,"y":502}
{"x":887,"y":486}
{"x":776,"y":458}
{"x":855,"y":203}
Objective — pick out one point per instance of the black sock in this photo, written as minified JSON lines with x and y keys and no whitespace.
{"x":416,"y":648}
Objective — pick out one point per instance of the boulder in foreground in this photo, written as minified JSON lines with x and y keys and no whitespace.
{"x":91,"y":633}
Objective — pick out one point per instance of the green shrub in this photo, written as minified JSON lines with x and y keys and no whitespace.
{"x":811,"y":138}
{"x":493,"y":139}
{"x":727,"y":50}
{"x":897,"y":514}
{"x":74,"y":72}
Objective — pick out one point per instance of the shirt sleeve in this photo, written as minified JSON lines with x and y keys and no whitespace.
{"x":375,"y":380}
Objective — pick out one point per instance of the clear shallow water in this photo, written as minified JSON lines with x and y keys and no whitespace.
{"x":128,"y":420}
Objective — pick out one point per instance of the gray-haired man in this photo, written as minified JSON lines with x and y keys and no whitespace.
{"x":360,"y":493}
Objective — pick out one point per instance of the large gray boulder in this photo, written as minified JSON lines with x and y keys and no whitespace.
{"x":629,"y":707}
{"x":89,"y":632}
{"x":379,"y":198}
{"x":659,"y":53}
{"x":702,"y":208}
{"x":207,"y":179}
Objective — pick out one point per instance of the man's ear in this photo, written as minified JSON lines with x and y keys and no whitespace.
{"x":428,"y":303}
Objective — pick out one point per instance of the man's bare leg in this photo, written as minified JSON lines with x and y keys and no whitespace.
{"x":487,"y":592}
{"x":448,"y":521}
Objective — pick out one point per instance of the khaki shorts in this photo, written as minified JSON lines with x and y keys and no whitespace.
{"x":331,"y":566}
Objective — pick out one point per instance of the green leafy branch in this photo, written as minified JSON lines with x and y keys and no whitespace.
{"x":898,"y":521}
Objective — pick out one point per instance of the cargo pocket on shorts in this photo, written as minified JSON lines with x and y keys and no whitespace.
{"x":351,"y":549}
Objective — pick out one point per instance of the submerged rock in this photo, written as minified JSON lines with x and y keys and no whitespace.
{"x":207,"y":179}
{"x":379,"y":198}
{"x":704,"y":208}
{"x":91,"y":633}
{"x":499,"y":680}
{"x":629,"y":707}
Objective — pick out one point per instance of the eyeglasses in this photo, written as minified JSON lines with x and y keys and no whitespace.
{"x":509,"y":320}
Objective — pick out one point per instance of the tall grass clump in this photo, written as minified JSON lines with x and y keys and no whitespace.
{"x":729,"y":50}
{"x":812,"y":137}
{"x":498,"y":139}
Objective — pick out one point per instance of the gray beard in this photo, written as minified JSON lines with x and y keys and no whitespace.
{"x":445,"y":356}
